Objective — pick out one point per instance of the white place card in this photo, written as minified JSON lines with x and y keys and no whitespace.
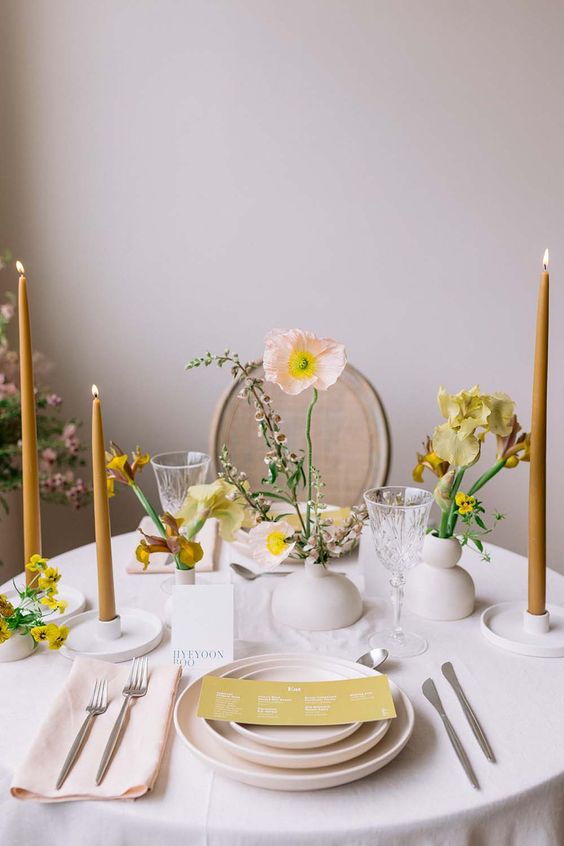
{"x":202,"y":626}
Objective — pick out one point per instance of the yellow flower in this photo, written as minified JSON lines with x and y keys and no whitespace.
{"x":36,"y":563}
{"x":5,"y":632}
{"x":54,"y":604}
{"x":56,"y":635}
{"x":457,"y":441}
{"x":188,"y":552}
{"x":429,"y":461}
{"x":49,"y":578}
{"x":39,"y":633}
{"x":465,"y":503}
{"x":271,"y":542}
{"x":111,"y":485}
{"x":6,"y":607}
{"x":119,"y":469}
{"x":220,"y":500}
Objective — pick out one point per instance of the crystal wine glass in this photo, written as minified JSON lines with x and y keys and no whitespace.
{"x":398,"y":518}
{"x":175,"y":473}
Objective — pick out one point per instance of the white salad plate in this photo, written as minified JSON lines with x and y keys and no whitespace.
{"x":196,"y":736}
{"x":290,"y":668}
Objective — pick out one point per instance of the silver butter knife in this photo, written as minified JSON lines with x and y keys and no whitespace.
{"x":451,"y":677}
{"x":430,"y":692}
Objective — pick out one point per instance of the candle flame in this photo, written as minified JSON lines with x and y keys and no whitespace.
{"x":545,"y":259}
{"x":95,"y":392}
{"x":20,"y":268}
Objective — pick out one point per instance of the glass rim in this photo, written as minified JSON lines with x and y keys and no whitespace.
{"x":428,"y":499}
{"x":156,"y":463}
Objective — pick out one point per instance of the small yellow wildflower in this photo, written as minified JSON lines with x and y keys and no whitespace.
{"x":39,"y":633}
{"x":36,"y":563}
{"x":56,"y":635}
{"x":465,"y":503}
{"x":49,"y":578}
{"x":6,"y":607}
{"x":54,"y":604}
{"x":5,"y":632}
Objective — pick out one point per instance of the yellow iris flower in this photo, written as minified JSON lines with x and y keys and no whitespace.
{"x":220,"y":500}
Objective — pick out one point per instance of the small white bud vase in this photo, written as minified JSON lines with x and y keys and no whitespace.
{"x":315,"y":599}
{"x":16,"y":647}
{"x":438,"y":589}
{"x":181,"y":577}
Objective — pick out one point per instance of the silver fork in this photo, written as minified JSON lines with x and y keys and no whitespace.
{"x":136,"y":686}
{"x":97,"y":705}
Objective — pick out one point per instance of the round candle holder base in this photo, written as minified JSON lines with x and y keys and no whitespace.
{"x":140,"y":632}
{"x":509,"y":626}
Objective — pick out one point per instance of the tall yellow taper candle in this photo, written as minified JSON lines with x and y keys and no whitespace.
{"x":106,"y":598}
{"x":30,"y":469}
{"x":537,"y":479}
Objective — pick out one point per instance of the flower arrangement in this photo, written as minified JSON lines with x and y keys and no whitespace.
{"x":296,"y":361}
{"x":59,"y":446}
{"x":120,"y":469}
{"x":456,"y":445}
{"x":28,"y":616}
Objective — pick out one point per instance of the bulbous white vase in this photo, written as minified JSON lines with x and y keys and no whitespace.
{"x":181,"y":577}
{"x":16,"y":647}
{"x":438,"y":588}
{"x":315,"y":599}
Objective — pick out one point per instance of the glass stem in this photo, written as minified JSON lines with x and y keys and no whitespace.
{"x":397,"y":584}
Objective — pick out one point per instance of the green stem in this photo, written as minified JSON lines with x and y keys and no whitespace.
{"x":451,"y":519}
{"x":156,"y":520}
{"x":444,"y":524}
{"x":309,"y":461}
{"x":485,"y":477}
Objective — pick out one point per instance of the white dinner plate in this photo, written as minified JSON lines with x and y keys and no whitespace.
{"x":195,"y":735}
{"x":308,"y":668}
{"x":355,"y":744}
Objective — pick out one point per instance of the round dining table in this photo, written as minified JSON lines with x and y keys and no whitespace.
{"x":422,"y":797}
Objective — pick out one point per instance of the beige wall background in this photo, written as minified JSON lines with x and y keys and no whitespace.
{"x":182,"y":176}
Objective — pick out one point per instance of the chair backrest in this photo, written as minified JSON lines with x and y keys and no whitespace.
{"x":351,"y":439}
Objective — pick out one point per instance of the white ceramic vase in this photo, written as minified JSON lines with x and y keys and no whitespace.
{"x":181,"y":577}
{"x":315,"y":599}
{"x":438,"y":589}
{"x":16,"y":647}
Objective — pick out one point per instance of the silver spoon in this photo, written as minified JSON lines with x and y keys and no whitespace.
{"x":374,"y":658}
{"x":250,"y":575}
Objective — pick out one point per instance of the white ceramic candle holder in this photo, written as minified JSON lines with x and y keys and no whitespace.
{"x":511,"y":627}
{"x":131,"y":633}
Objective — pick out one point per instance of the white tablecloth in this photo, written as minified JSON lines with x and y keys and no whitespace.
{"x":421,"y":798}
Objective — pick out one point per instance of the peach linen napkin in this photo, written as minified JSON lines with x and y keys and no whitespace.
{"x":137,"y":760}
{"x":208,"y":537}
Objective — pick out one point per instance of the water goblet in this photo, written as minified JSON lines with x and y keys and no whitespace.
{"x":175,"y":472}
{"x":398,"y":519}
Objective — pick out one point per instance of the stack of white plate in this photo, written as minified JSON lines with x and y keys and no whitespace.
{"x":293,"y":757}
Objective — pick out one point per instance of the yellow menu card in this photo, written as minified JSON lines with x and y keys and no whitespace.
{"x":275,"y":703}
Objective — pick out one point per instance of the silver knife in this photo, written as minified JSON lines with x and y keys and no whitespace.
{"x":430,"y":693}
{"x":451,"y":677}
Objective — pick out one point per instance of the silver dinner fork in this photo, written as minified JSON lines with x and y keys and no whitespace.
{"x":97,"y":705}
{"x":136,"y":686}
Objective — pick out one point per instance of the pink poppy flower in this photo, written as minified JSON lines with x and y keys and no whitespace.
{"x":295,"y":360}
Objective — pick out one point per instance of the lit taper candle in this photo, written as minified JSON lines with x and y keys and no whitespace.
{"x":537,"y":479}
{"x":106,"y":597}
{"x":30,"y":466}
